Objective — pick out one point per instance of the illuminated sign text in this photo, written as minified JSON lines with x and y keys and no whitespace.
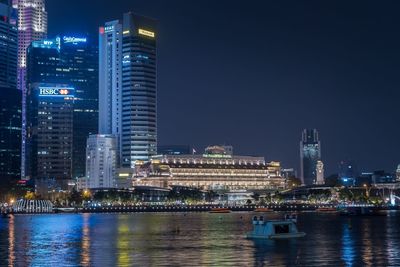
{"x":146,"y":33}
{"x":74,"y":40}
{"x":56,"y":91}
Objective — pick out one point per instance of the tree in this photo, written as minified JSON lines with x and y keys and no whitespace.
{"x":293,"y":182}
{"x":30,"y":195}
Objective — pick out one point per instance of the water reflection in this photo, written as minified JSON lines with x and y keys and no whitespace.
{"x":11,"y":240}
{"x":198,"y":239}
{"x":348,"y":250}
{"x":85,"y":254}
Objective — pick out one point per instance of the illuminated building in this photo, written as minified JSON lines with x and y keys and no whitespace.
{"x":128,"y":86}
{"x":110,"y":78}
{"x":398,"y":173}
{"x":32,"y":26}
{"x":71,"y":60}
{"x":211,"y":170}
{"x":320,"y":179}
{"x":10,"y":135}
{"x":101,"y":161}
{"x":8,"y":45}
{"x":310,"y":153}
{"x":139,"y":89}
{"x":49,"y":133}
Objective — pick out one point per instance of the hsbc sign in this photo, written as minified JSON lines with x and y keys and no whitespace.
{"x":56,"y":91}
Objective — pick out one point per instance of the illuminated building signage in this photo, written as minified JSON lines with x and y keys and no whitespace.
{"x":109,"y":28}
{"x":56,"y":91}
{"x":217,"y":156}
{"x":74,"y":40}
{"x":47,"y":43}
{"x":146,"y":33}
{"x":125,"y":32}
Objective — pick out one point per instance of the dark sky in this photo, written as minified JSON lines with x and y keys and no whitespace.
{"x":255,"y":73}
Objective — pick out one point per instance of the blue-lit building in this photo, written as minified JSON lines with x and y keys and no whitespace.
{"x":310,"y":154}
{"x":49,"y":132}
{"x":10,"y":135}
{"x":139,"y":89}
{"x":8,"y":45}
{"x":128,"y":86}
{"x":72,"y":61}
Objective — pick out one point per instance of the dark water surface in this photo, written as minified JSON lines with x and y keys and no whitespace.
{"x":194,"y":239}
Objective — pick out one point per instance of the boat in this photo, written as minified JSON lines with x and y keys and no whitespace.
{"x":326,"y":209}
{"x":220,"y":210}
{"x":362,"y":211}
{"x":276,"y":229}
{"x":263,"y":210}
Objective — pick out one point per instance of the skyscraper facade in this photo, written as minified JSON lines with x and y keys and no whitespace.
{"x":71,"y":61}
{"x":310,"y":154}
{"x":49,"y":132}
{"x":110,"y":78}
{"x":10,"y":135}
{"x":139,"y":89}
{"x":32,"y":25}
{"x":8,"y":45}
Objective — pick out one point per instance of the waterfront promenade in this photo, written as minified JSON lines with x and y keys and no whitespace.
{"x":195,"y":208}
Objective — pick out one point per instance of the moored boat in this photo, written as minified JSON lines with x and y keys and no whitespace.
{"x":220,"y":210}
{"x":277,"y":229}
{"x":263,"y":210}
{"x":326,"y":209}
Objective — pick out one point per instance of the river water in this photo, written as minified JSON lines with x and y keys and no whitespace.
{"x":195,"y":239}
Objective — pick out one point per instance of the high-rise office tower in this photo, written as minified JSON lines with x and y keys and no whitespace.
{"x":310,"y":154}
{"x":110,"y":78}
{"x":8,"y":45}
{"x":10,"y":97}
{"x":49,"y":132}
{"x":71,"y":61}
{"x":139,"y":89}
{"x":101,"y":161}
{"x":110,"y":81}
{"x":128,"y":86}
{"x":32,"y":25}
{"x":10,"y":135}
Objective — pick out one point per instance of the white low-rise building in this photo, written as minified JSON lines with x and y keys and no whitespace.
{"x":101,"y":161}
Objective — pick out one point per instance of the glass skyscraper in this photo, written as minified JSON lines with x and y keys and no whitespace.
{"x":128,"y":86}
{"x":10,"y":135}
{"x":32,"y":25}
{"x":139,"y":89}
{"x":8,"y":45}
{"x":10,"y":97}
{"x":310,"y":154}
{"x":70,"y":61}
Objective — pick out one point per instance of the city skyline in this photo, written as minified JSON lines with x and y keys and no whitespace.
{"x":325,"y":74}
{"x":213,"y":131}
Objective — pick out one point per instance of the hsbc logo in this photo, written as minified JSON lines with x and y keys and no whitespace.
{"x":51,"y":91}
{"x":63,"y":91}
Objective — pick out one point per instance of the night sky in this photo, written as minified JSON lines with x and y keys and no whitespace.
{"x":255,"y":73}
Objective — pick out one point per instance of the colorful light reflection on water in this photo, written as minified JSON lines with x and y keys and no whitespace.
{"x":198,"y":239}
